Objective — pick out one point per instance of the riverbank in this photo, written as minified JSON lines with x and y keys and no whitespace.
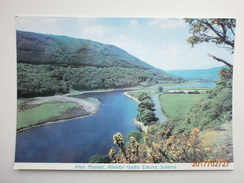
{"x":39,"y":111}
{"x":101,"y":91}
{"x":133,"y":98}
{"x":139,"y":124}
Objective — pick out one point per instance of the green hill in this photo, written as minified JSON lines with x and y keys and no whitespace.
{"x":37,"y":48}
{"x":198,"y":74}
{"x":49,"y":64}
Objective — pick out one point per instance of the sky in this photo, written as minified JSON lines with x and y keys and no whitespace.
{"x":158,"y":41}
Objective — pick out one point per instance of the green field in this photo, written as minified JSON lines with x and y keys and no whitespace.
{"x":20,"y":101}
{"x":175,"y":105}
{"x":41,"y":113}
{"x":74,"y":91}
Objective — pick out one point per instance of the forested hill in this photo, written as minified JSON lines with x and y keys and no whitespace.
{"x":198,"y":74}
{"x":49,"y":64}
{"x":37,"y":48}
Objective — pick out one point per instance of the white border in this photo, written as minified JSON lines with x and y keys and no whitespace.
{"x":136,"y":8}
{"x":128,"y":167}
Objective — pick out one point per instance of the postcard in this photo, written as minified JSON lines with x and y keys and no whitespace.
{"x":124,"y":93}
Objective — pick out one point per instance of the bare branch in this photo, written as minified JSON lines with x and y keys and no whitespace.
{"x":221,"y":60}
{"x":232,"y":31}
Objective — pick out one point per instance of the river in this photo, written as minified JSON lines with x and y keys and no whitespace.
{"x":78,"y":139}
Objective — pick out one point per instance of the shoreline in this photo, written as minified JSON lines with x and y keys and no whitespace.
{"x":100,"y":91}
{"x":139,"y":124}
{"x":49,"y":122}
{"x":133,"y":98}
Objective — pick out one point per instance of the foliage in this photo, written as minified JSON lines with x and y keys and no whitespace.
{"x":146,"y":116}
{"x":98,"y":158}
{"x":209,"y":113}
{"x":49,"y":65}
{"x":143,"y":96}
{"x":218,"y":31}
{"x":137,"y":135}
{"x":194,"y":92}
{"x":147,"y":104}
{"x":162,"y":147}
{"x":177,"y":140}
{"x":119,"y":141}
{"x":160,"y":89}
{"x":145,"y":109}
{"x":217,"y":109}
{"x":46,"y":80}
{"x":50,"y":49}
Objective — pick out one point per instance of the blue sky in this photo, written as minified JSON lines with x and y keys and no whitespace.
{"x":159,"y":42}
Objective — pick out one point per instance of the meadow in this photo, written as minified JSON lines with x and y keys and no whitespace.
{"x":178,"y":105}
{"x":42,"y":113}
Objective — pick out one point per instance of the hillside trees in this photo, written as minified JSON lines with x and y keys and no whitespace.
{"x":49,"y":64}
{"x":44,"y":80}
{"x":217,"y":109}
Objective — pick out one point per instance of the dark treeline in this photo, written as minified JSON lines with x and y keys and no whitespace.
{"x":45,"y":80}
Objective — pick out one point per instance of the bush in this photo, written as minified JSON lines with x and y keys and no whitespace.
{"x":137,"y":135}
{"x":162,"y":147}
{"x":98,"y":158}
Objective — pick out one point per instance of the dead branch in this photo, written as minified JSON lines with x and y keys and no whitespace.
{"x":221,"y":60}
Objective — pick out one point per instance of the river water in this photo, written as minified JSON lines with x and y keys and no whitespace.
{"x":78,"y":139}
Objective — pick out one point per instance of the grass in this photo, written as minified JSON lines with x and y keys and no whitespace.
{"x":41,"y":113}
{"x":20,"y":101}
{"x":175,"y":105}
{"x":74,"y":91}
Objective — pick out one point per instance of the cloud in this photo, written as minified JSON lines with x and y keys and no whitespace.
{"x":131,"y":46}
{"x":174,"y":56}
{"x":172,"y":50}
{"x":122,"y":38}
{"x":167,"y":23}
{"x":95,"y":30}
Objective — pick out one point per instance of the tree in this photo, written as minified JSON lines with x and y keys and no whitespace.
{"x":160,"y":89}
{"x":218,"y":31}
